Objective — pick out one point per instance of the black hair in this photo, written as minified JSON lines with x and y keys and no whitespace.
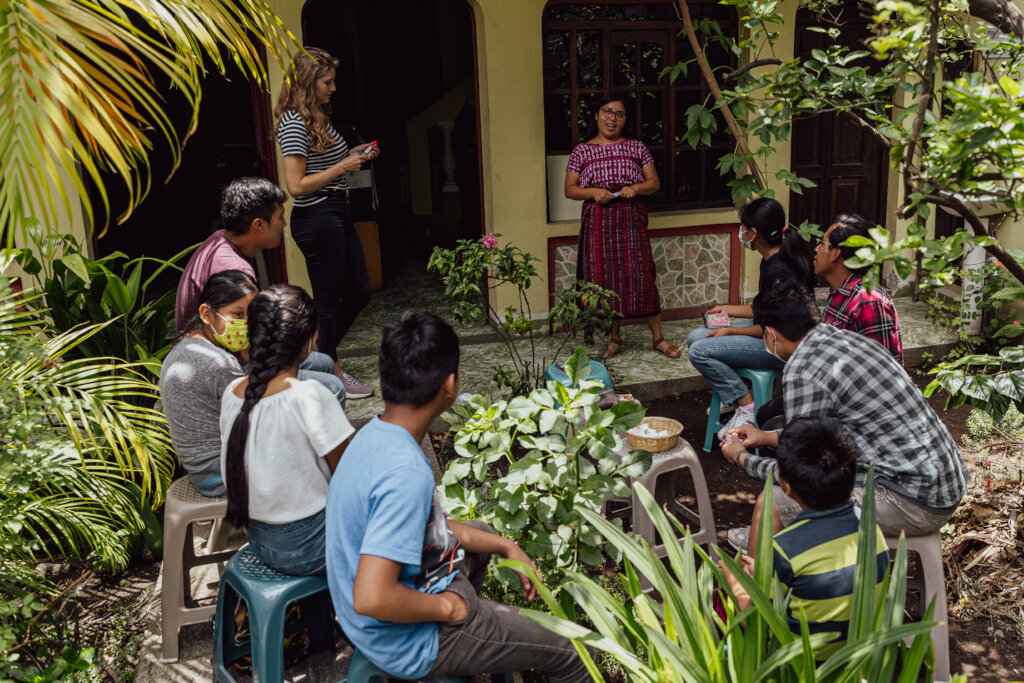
{"x":848,"y":225}
{"x":417,"y":353}
{"x":282,"y":320}
{"x":818,"y":458}
{"x":786,"y":306}
{"x":768,"y":217}
{"x":246,"y":199}
{"x":627,"y":126}
{"x":221,"y":289}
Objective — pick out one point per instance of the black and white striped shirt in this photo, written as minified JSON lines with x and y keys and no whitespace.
{"x":293,"y":138}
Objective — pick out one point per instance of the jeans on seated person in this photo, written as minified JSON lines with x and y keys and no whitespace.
{"x":495,"y":638}
{"x":208,"y":481}
{"x":297,"y":548}
{"x":716,"y":358}
{"x":893,"y":513}
{"x":319,"y":367}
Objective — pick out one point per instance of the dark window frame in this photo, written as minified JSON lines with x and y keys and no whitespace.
{"x":670,"y":153}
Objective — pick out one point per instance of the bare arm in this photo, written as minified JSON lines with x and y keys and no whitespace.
{"x":379,"y":594}
{"x":734,"y":310}
{"x":299,"y":184}
{"x":477,"y":541}
{"x":574,"y":191}
{"x":334,"y":457}
{"x":650,"y":185}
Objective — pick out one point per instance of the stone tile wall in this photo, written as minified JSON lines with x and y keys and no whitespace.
{"x":693,"y":270}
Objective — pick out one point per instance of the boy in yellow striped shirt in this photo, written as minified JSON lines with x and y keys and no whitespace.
{"x":815,"y":556}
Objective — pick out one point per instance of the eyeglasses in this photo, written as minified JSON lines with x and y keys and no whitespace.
{"x":824,"y":242}
{"x":610,"y":113}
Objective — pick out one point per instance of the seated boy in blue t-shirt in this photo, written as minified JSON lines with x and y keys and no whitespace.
{"x":403,"y":578}
{"x":816,"y":554}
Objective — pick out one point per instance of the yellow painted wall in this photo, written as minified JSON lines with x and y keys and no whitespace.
{"x":290,"y":12}
{"x":510,"y":68}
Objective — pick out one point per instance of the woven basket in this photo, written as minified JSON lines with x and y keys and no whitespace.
{"x":661,"y":443}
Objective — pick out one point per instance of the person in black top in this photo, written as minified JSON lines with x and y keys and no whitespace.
{"x":316,"y":159}
{"x":717,"y":352}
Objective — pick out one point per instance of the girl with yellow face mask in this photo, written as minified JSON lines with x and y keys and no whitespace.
{"x":199,"y":367}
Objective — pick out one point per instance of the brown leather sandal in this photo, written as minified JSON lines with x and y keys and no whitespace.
{"x":672,"y":351}
{"x":612,"y":347}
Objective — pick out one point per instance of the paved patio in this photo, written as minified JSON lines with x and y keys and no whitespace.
{"x":637,"y":368}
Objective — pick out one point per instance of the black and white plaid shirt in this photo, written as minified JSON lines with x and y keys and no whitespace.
{"x":845,"y":375}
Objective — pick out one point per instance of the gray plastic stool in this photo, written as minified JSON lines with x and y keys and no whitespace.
{"x":656,"y":480}
{"x":931,"y":582}
{"x":178,"y":608}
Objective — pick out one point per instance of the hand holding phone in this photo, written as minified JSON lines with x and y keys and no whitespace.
{"x":369,"y":148}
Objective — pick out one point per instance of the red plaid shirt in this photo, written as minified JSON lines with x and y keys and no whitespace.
{"x":851,"y":307}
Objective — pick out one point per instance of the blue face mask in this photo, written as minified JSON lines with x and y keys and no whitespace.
{"x":749,"y":245}
{"x":776,"y":338}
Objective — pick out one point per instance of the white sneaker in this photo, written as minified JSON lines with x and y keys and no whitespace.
{"x":723,"y":411}
{"x":739,"y":418}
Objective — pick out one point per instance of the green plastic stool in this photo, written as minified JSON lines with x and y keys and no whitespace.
{"x":267,"y":594}
{"x":762,"y":384}
{"x":362,"y":670}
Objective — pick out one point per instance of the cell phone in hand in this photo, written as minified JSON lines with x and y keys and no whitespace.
{"x":369,"y":148}
{"x":715,"y":320}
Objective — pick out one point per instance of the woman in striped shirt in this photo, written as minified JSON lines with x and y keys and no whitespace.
{"x":316,"y":159}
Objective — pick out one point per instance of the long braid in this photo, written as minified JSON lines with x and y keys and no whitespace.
{"x":282,"y":319}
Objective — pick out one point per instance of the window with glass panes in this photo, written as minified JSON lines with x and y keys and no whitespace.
{"x":619,"y":48}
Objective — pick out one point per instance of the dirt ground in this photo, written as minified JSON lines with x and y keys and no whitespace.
{"x":102,"y":610}
{"x":983,"y":651}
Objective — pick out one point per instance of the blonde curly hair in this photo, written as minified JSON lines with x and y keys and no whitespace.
{"x":298,"y":92}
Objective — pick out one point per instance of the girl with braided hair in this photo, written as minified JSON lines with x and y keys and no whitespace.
{"x":281,"y":437}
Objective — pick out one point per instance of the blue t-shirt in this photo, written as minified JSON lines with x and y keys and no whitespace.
{"x":382,"y":501}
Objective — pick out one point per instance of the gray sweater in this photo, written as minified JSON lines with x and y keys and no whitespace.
{"x":192,"y":382}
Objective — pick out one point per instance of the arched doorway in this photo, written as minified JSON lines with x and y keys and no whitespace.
{"x":408,"y":79}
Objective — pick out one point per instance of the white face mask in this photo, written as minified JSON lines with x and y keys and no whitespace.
{"x":776,"y":338}
{"x":749,"y":245}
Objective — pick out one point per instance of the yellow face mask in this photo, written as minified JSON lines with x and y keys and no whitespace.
{"x":236,"y":333}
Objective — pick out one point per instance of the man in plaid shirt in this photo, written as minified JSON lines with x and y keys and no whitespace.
{"x":921,"y":475}
{"x":850,"y":306}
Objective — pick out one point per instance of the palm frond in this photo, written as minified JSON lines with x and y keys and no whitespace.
{"x":80,"y":97}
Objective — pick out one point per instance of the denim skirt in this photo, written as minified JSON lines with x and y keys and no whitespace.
{"x":296,"y":548}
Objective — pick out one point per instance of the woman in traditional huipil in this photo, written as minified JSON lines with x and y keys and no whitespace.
{"x":609,"y":172}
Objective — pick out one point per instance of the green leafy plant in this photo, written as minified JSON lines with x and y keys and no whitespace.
{"x":78,"y":458}
{"x":684,"y":638}
{"x":86,"y":84}
{"x":529,"y":465}
{"x":474,"y":267}
{"x":78,"y":289}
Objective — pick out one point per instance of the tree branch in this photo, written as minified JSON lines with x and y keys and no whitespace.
{"x":1002,"y":14}
{"x":747,"y":67}
{"x":925,"y":103}
{"x":978,"y":228}
{"x":709,"y":78}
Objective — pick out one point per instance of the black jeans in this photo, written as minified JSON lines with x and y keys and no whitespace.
{"x":337,"y":269}
{"x":495,"y":638}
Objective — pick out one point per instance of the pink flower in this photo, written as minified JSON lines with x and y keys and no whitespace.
{"x":1016,"y":322}
{"x":999,"y":263}
{"x":490,"y":241}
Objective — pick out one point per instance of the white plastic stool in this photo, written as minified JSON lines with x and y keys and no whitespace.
{"x":662,"y":487}
{"x":185,"y":505}
{"x":931,"y":582}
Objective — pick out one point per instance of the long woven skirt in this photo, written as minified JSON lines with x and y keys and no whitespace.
{"x":615,"y":253}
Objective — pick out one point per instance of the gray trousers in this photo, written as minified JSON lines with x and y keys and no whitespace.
{"x":495,"y":638}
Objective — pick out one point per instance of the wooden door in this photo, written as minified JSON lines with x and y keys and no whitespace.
{"x":846,"y":161}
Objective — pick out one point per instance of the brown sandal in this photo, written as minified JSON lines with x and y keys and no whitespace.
{"x":612,"y":347}
{"x":672,"y":351}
